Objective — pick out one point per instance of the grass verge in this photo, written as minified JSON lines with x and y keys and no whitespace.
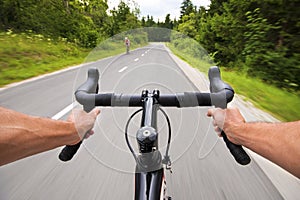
{"x":23,"y":56}
{"x":281,"y":104}
{"x":27,"y":55}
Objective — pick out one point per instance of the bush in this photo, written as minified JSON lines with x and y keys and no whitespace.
{"x":189,"y":46}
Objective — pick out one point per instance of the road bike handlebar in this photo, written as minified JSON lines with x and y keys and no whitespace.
{"x":90,"y":86}
{"x":216,"y":86}
{"x":221,"y":94}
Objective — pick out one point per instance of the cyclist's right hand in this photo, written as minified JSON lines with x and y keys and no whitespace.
{"x":229,"y":120}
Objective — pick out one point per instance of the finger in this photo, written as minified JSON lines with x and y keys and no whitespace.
{"x":95,"y":111}
{"x":210,"y":112}
{"x":215,"y":123}
{"x":88,"y":134}
{"x":217,"y":129}
{"x":91,"y":132}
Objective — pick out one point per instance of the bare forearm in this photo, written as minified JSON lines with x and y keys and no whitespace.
{"x":22,"y":136}
{"x":278,"y":142}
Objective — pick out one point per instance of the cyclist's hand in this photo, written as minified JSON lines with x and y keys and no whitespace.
{"x":84,"y":122}
{"x":230,"y":120}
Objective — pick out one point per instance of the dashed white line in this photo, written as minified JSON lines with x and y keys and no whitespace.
{"x":136,"y":59}
{"x":143,"y":55}
{"x":123,"y":69}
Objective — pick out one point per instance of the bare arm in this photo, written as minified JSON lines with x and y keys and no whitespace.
{"x":22,"y":135}
{"x":278,"y":142}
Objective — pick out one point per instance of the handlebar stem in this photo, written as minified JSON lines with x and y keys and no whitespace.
{"x":147,"y":134}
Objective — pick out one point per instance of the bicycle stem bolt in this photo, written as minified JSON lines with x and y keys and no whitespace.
{"x":146,"y":138}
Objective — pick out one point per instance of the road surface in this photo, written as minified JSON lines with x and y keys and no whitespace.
{"x":103,"y":168}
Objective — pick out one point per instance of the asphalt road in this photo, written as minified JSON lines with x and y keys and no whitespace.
{"x":104,"y":168}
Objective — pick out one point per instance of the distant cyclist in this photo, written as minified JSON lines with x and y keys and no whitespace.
{"x":127,"y":44}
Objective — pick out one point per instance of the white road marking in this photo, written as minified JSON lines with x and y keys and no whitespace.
{"x":64,"y":111}
{"x":143,"y":55}
{"x":136,"y":59}
{"x":123,"y":69}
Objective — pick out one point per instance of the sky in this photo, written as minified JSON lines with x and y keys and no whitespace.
{"x":160,"y":8}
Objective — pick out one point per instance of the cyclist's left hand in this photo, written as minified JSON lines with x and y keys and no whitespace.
{"x":84,"y":122}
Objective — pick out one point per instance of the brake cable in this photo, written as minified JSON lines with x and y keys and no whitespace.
{"x":166,"y":160}
{"x":126,"y":133}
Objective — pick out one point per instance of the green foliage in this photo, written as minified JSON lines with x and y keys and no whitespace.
{"x":188,"y":25}
{"x":168,"y":22}
{"x":78,"y":21}
{"x":268,"y":60}
{"x":149,"y":22}
{"x":123,"y":19}
{"x":82,"y":22}
{"x":258,"y":37}
{"x":190,"y":50}
{"x":156,"y":34}
{"x":187,"y":8}
{"x":281,"y":104}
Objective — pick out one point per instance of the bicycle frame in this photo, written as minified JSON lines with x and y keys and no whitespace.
{"x":149,"y":174}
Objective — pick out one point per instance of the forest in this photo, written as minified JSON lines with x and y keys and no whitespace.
{"x":259,"y":38}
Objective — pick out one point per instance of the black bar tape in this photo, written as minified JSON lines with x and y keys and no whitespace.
{"x":237,"y":151}
{"x":69,"y":151}
{"x":122,"y":100}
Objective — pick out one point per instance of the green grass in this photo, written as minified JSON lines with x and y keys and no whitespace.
{"x":283,"y":105}
{"x":26,"y":55}
{"x":201,"y":64}
{"x":23,"y":56}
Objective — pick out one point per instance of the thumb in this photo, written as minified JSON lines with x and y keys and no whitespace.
{"x":210,"y":112}
{"x":95,"y":112}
